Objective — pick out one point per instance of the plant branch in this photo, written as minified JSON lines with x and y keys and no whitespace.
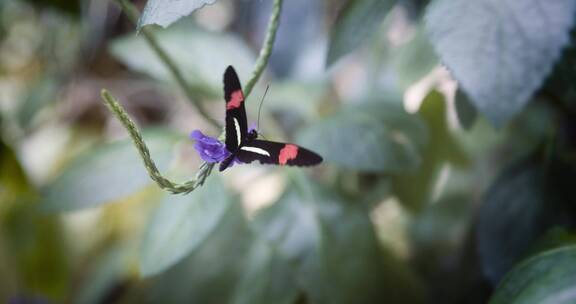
{"x":122,"y":115}
{"x":266,"y":50}
{"x":133,"y":14}
{"x":136,"y":136}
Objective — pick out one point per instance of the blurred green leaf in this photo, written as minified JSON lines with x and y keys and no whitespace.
{"x":526,"y":200}
{"x":108,"y":270}
{"x":414,"y":59}
{"x":333,"y":248}
{"x":443,"y":250}
{"x":414,"y":188}
{"x":107,"y":173}
{"x":230,"y":266}
{"x":201,"y":56}
{"x":37,"y":243}
{"x":441,"y":226}
{"x":296,"y":97}
{"x":68,"y":6}
{"x":180,"y":224}
{"x":500,"y":52}
{"x":166,"y":12}
{"x":560,"y":85}
{"x":357,"y":20}
{"x":267,"y":277}
{"x":465,"y":110}
{"x":544,"y":278}
{"x":372,"y":136}
{"x":39,"y":94}
{"x":13,"y":180}
{"x":554,"y":238}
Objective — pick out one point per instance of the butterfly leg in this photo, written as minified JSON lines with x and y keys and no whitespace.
{"x":226,"y":162}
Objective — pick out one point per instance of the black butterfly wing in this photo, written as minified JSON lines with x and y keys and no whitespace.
{"x":276,"y":153}
{"x":236,"y":122}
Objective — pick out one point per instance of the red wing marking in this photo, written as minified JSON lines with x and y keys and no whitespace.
{"x":236,"y":99}
{"x":287,"y":153}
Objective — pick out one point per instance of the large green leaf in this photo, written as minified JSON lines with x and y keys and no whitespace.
{"x":107,"y":173}
{"x":374,"y":136}
{"x":355,"y":23}
{"x":333,"y":249}
{"x":166,"y":12}
{"x":230,"y":266}
{"x":201,"y":56}
{"x":524,"y":202}
{"x":544,"y":278}
{"x":180,"y":224}
{"x":500,"y":51}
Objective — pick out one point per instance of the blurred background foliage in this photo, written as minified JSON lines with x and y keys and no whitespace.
{"x":442,"y":183}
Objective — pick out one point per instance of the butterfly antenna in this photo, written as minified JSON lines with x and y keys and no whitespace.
{"x":260,"y":107}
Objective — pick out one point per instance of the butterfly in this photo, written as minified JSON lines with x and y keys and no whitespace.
{"x":244,"y":145}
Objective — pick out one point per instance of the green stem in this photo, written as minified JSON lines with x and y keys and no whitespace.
{"x":122,"y":115}
{"x":132,"y":14}
{"x":136,"y":136}
{"x":266,"y":50}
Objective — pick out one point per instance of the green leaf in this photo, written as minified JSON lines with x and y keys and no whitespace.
{"x":500,"y":52}
{"x":354,"y":25}
{"x":414,"y":188}
{"x":201,"y":56}
{"x":414,"y":60}
{"x":37,"y":243}
{"x":230,"y":266}
{"x":333,"y":248}
{"x":267,"y":278}
{"x":166,"y":12}
{"x":545,"y":278}
{"x":180,"y":224}
{"x":111,"y":268}
{"x":373,"y":136}
{"x":71,"y":7}
{"x":107,"y":173}
{"x":554,"y":238}
{"x":39,"y":94}
{"x":440,"y":227}
{"x":525,"y":201}
{"x":465,"y":110}
{"x":560,"y":85}
{"x":14,"y":183}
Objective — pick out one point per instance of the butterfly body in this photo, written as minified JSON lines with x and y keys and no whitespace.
{"x":244,"y":145}
{"x":252,"y":135}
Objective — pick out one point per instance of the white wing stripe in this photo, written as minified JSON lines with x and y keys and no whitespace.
{"x":237,"y":125}
{"x":256,"y":150}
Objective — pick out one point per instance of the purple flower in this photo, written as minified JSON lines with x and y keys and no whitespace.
{"x":209,"y":148}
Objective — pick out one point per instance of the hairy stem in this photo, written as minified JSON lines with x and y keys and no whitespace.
{"x":122,"y":115}
{"x":136,"y":136}
{"x":266,"y":50}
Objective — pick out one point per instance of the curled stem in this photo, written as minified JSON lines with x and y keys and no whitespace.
{"x":120,"y":113}
{"x":151,"y":167}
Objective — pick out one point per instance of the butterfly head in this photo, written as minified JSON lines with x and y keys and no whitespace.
{"x":252,"y":135}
